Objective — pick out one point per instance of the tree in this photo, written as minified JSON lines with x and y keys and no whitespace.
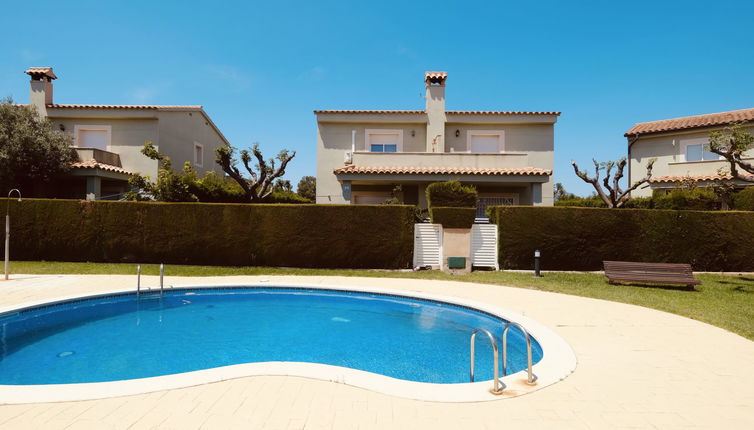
{"x":170,"y":186}
{"x":282,"y":185}
{"x":731,"y":143}
{"x":262,"y":175}
{"x":31,"y":152}
{"x":560,"y":193}
{"x":307,"y":188}
{"x":612,"y":195}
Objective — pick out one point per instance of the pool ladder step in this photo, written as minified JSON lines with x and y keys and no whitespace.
{"x":497,"y":385}
{"x":138,"y":279}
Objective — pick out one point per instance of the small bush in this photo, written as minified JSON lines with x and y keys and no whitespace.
{"x":451,"y":217}
{"x":639,"y":203}
{"x":699,"y":199}
{"x":588,"y":202}
{"x":744,"y":200}
{"x":451,"y":194}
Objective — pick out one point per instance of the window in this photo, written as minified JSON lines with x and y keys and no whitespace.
{"x":694,"y":150}
{"x":384,"y":140}
{"x":92,"y":136}
{"x":198,"y":154}
{"x":485,"y":141}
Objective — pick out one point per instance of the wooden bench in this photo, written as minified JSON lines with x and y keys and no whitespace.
{"x":657,"y":273}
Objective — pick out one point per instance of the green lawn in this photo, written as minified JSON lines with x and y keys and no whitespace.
{"x":726,"y":301}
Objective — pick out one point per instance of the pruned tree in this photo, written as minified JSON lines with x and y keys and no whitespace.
{"x":731,"y":143}
{"x":263,"y":174}
{"x":613,"y":195}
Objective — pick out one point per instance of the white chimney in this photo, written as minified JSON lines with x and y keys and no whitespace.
{"x":435,"y":99}
{"x":40,"y":95}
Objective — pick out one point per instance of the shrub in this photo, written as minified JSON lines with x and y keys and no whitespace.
{"x":327,"y":236}
{"x":699,"y":199}
{"x":451,"y":194}
{"x":451,"y":217}
{"x":639,"y":203}
{"x":581,"y":238}
{"x":589,"y":202}
{"x":744,"y":199}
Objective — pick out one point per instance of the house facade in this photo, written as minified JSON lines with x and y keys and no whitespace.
{"x":679,"y":145}
{"x":109,"y":139}
{"x":363,"y":155}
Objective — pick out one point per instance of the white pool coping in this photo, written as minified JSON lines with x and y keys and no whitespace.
{"x":558,"y":361}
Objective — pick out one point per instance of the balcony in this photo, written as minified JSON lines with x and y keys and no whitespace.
{"x":100,"y":156}
{"x":441,"y":159}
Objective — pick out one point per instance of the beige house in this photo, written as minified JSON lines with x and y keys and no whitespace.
{"x":679,"y":146}
{"x":109,"y":139}
{"x":363,"y":155}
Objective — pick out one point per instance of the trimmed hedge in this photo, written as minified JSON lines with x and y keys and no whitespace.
{"x":744,"y":199}
{"x":324,"y":236}
{"x":451,"y":194}
{"x":581,"y":238}
{"x":453,"y":217}
{"x":700,"y":199}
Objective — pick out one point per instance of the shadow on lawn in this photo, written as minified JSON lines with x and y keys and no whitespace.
{"x":683,"y":288}
{"x":742,"y":284}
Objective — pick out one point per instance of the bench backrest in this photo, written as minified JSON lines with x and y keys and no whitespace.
{"x":641,"y":270}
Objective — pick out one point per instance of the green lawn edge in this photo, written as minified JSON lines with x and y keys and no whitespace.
{"x":723,"y":300}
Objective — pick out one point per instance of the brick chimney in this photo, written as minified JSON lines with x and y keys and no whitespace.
{"x":435,"y":99}
{"x":41,"y":88}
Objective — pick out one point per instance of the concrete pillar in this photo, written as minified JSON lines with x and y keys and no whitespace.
{"x":94,"y":186}
{"x":536,"y":194}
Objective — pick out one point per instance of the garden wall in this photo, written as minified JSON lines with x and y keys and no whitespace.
{"x":326,"y":236}
{"x":581,"y":238}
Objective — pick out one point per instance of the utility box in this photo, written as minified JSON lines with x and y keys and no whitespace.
{"x":456,"y":262}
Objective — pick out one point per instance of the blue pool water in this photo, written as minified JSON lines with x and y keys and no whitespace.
{"x":119,"y":337}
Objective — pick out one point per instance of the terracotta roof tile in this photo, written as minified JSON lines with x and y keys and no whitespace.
{"x":156,"y":107}
{"x":93,"y":164}
{"x":714,"y":177}
{"x":421,"y":170}
{"x":420,"y":112}
{"x":385,"y":112}
{"x":498,"y":112}
{"x":691,"y":122}
{"x":45,"y":71}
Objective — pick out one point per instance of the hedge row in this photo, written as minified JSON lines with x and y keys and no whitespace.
{"x":325,"y":236}
{"x":581,"y":238}
{"x":451,"y":217}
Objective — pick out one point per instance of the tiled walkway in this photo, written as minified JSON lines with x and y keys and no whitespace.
{"x":638,"y":368}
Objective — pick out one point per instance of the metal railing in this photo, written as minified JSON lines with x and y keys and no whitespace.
{"x":531,"y":378}
{"x":138,"y":279}
{"x":497,"y":385}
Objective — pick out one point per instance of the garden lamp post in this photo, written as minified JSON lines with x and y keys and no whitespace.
{"x":7,"y":229}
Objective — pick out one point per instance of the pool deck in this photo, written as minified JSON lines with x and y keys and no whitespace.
{"x":637,"y":368}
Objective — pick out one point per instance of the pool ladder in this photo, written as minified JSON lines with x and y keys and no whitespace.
{"x":497,"y":385}
{"x":138,"y":279}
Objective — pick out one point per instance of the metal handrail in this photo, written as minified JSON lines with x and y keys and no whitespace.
{"x":496,"y":389}
{"x":531,"y":378}
{"x":138,"y":280}
{"x":162,"y":272}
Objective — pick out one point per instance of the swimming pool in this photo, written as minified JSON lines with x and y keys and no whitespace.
{"x":123,"y":336}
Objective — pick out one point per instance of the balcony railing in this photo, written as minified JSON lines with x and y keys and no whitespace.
{"x":439,"y":159}
{"x":104,"y":157}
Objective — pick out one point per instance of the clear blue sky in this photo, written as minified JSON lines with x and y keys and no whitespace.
{"x":259,"y":69}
